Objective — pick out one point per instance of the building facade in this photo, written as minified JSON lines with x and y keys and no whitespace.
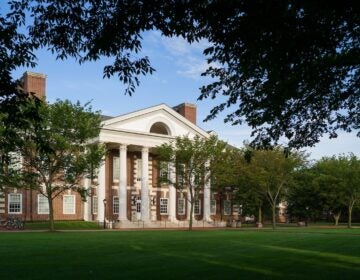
{"x":127,"y":187}
{"x":128,"y":181}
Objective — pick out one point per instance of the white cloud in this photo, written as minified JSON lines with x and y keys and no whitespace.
{"x":177,"y":46}
{"x":188,"y":58}
{"x":194,"y":70}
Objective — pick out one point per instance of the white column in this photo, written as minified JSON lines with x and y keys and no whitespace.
{"x":87,"y":203}
{"x":207,"y":196}
{"x":123,"y":183}
{"x":101,"y":192}
{"x":172,"y":194}
{"x":145,"y":207}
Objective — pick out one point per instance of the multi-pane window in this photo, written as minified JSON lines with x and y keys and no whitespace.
{"x":43,"y":204}
{"x":227,"y":207}
{"x":138,"y":207}
{"x":164,"y":206}
{"x":115,"y":205}
{"x":181,"y":206}
{"x":15,"y":200}
{"x":180,"y":174}
{"x":95,"y":205}
{"x":164,"y":171}
{"x":139,"y":169}
{"x":15,"y":161}
{"x":213,"y":207}
{"x":69,"y":204}
{"x":197,"y":207}
{"x":116,"y":168}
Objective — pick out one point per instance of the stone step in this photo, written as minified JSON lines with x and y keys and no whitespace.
{"x":166,"y":224}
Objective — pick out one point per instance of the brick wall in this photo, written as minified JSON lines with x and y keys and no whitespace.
{"x":35,"y":83}
{"x":30,"y":207}
{"x":187,"y":110}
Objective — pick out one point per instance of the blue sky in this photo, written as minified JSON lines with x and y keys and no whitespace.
{"x":176,"y":80}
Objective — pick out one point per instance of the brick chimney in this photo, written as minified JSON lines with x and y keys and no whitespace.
{"x":187,"y":110}
{"x":34,"y":83}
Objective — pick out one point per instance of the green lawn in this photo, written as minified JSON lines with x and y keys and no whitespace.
{"x":63,"y":225}
{"x":216,"y":254}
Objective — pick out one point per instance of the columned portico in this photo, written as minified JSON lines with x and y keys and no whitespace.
{"x":207,"y":202}
{"x":87,"y":203}
{"x":101,"y":193}
{"x":207,"y":197}
{"x":123,"y":183}
{"x":172,"y":194}
{"x":130,"y":181}
{"x":145,"y":207}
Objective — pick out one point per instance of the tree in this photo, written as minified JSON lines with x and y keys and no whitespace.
{"x":305,"y":199}
{"x":60,"y":150}
{"x":12,"y":123}
{"x":192,"y":159}
{"x":225,"y":174}
{"x":332,"y":195}
{"x":287,"y":68}
{"x":17,"y":107}
{"x":252,"y":200}
{"x":344,"y":173}
{"x":270,"y":173}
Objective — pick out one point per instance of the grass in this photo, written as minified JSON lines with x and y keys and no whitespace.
{"x":221,"y":254}
{"x":63,"y":225}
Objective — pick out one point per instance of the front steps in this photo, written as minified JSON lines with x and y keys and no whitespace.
{"x":164,"y":224}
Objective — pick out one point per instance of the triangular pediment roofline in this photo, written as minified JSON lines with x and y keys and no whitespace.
{"x":152,"y":109}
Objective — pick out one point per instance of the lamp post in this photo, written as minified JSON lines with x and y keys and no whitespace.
{"x":104,"y":201}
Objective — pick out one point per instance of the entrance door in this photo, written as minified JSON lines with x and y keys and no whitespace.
{"x":138,"y":209}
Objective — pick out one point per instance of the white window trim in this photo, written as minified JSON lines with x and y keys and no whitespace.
{"x":227,"y":213}
{"x":164,"y":168}
{"x":15,"y":161}
{"x":138,"y":169}
{"x":167,"y":205}
{"x":74,"y":200}
{"x":9,"y":195}
{"x":211,"y":208}
{"x":199,"y":212}
{"x":184,"y":210}
{"x":116,"y":171}
{"x":118,"y":203}
{"x":95,"y":200}
{"x":180,"y":177}
{"x":138,"y":206}
{"x":38,"y":204}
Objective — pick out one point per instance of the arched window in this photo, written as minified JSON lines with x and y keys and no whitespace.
{"x":160,"y":128}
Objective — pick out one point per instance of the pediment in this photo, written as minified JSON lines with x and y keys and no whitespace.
{"x":143,"y":120}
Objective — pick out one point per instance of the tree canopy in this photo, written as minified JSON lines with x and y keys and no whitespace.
{"x":192,"y":160}
{"x":270,"y":173}
{"x":344,"y":172}
{"x":286,"y":68}
{"x":59,"y":152}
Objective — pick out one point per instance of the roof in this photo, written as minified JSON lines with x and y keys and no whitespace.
{"x":147,"y":110}
{"x":105,"y":118}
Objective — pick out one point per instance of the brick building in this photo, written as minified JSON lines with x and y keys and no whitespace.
{"x":126,"y":189}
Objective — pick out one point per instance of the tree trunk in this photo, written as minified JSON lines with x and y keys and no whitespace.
{"x":51,"y":214}
{"x":350,"y":213}
{"x":273,"y":216}
{"x":260,"y":215}
{"x":337,"y":217}
{"x":191,"y":208}
{"x":191,"y":214}
{"x":221,"y":207}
